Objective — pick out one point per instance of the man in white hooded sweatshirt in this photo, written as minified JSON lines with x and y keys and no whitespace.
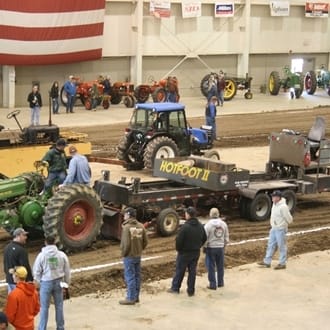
{"x":280,"y":218}
{"x":50,"y":268}
{"x":217,"y":238}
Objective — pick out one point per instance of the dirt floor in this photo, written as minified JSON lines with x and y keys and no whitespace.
{"x":235,"y":131}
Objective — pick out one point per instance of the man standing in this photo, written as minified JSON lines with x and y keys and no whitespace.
{"x":210,"y":116}
{"x":133,"y":241}
{"x":79,"y":170}
{"x":35,"y":102}
{"x":217,"y":238}
{"x":189,"y":240}
{"x":50,"y":268}
{"x":16,"y":255}
{"x":70,"y":90}
{"x":221,"y":88}
{"x":56,"y":159}
{"x":280,"y":218}
{"x":23,"y":302}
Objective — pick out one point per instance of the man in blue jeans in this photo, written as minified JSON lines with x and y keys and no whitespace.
{"x":217,"y":238}
{"x":50,"y":268}
{"x":70,"y":90}
{"x":189,"y":241}
{"x":280,"y":218}
{"x":133,"y":241}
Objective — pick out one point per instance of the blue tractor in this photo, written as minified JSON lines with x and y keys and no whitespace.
{"x":160,"y":130}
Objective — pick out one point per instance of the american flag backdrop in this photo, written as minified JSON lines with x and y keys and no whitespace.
{"x":50,"y":31}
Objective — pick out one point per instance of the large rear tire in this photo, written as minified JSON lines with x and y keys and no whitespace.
{"x":230,"y":89}
{"x":167,"y":222}
{"x":274,"y":83}
{"x":310,"y":82}
{"x":159,"y":95}
{"x":74,"y":216}
{"x":142,"y":93}
{"x":160,"y":147}
{"x":116,"y":98}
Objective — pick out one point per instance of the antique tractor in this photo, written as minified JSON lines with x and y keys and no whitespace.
{"x":233,"y":84}
{"x":83,"y":92}
{"x":165,"y":90}
{"x":73,"y":214}
{"x":160,"y":130}
{"x":123,"y":90}
{"x":317,"y":79}
{"x":293,"y":81}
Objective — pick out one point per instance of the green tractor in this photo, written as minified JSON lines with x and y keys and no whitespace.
{"x":292,"y":81}
{"x":317,"y":79}
{"x":73,"y":213}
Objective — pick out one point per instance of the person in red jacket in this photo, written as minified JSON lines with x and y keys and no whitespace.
{"x":23,"y":302}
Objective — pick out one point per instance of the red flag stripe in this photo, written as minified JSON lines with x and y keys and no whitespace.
{"x":55,"y":33}
{"x":51,"y":59}
{"x":47,"y":6}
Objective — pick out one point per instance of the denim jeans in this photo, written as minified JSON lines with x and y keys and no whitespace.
{"x":185,"y":261}
{"x":56,"y":105}
{"x":11,"y":287}
{"x":70,"y":104}
{"x":210,"y":121}
{"x":214,"y":261}
{"x":50,"y":289}
{"x":35,"y":115}
{"x":277,"y":239}
{"x":132,"y":273}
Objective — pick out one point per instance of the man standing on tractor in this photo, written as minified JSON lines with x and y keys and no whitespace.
{"x":56,"y":159}
{"x":70,"y":90}
{"x":35,"y":102}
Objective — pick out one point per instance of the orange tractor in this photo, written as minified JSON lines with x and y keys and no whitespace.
{"x":164,"y":90}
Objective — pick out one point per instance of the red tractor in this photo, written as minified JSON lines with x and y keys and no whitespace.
{"x":120,"y":90}
{"x":165,"y":90}
{"x":83,"y":92}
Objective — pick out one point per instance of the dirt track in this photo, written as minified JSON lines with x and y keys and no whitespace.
{"x":235,"y":131}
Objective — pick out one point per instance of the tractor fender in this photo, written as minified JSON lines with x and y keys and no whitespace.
{"x":199,"y":134}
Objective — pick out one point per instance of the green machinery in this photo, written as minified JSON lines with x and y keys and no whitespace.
{"x":292,"y":81}
{"x":73,"y":213}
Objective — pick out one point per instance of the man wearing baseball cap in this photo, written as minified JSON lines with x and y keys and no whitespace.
{"x":16,"y":255}
{"x":280,"y":218}
{"x":70,"y":90}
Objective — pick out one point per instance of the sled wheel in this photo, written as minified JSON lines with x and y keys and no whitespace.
{"x":260,"y":207}
{"x":73,"y":215}
{"x":212,"y":154}
{"x":290,"y":198}
{"x":167,"y":222}
{"x":274,"y":83}
{"x":160,"y":147}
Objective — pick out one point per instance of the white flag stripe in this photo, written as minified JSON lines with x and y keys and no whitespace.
{"x":51,"y":20}
{"x":49,"y":47}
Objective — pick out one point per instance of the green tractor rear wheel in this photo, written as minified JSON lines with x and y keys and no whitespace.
{"x":274,"y":83}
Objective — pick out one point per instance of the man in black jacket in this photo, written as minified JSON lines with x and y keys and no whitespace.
{"x":189,"y":240}
{"x":16,"y":255}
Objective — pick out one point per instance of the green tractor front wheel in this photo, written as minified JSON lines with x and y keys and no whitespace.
{"x":274,"y":83}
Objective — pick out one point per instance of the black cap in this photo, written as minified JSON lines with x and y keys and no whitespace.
{"x":191,"y":211}
{"x":277,"y":193}
{"x":61,"y":142}
{"x":131,"y":211}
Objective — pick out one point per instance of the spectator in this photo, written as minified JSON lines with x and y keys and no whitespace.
{"x":133,"y":241}
{"x":23,"y":302}
{"x":106,"y":85}
{"x":3,"y":321}
{"x":94,"y":96}
{"x":210,"y":116}
{"x":56,"y":159}
{"x":280,"y":218}
{"x":50,"y":268}
{"x":79,"y":169}
{"x":189,"y":240}
{"x":35,"y":102}
{"x":217,"y":238}
{"x":54,"y":95}
{"x":16,"y":255}
{"x":221,"y":88}
{"x":70,"y":90}
{"x":212,"y":86}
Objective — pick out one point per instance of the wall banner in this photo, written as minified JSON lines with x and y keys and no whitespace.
{"x":224,"y":10}
{"x":316,"y":9}
{"x":279,"y":8}
{"x":160,"y":8}
{"x":191,"y":8}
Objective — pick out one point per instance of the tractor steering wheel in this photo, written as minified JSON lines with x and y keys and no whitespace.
{"x":13,"y":114}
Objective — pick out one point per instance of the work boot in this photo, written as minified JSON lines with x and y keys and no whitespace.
{"x":279,"y":266}
{"x":263,"y":264}
{"x":170,"y":290}
{"x":126,"y":302}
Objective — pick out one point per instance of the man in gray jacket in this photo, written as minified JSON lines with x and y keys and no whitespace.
{"x":280,"y":218}
{"x":217,"y":238}
{"x":51,"y":268}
